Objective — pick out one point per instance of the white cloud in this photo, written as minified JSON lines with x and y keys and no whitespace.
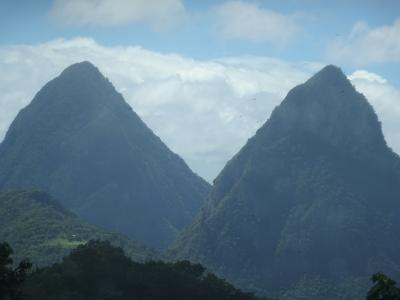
{"x":365,"y":45}
{"x":385,"y":99}
{"x":367,"y":76}
{"x":115,"y":12}
{"x":247,"y":21}
{"x":203,"y":110}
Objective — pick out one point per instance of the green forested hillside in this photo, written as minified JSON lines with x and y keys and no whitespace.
{"x":308,"y":209}
{"x":80,"y":141}
{"x":39,"y":228}
{"x":97,"y":271}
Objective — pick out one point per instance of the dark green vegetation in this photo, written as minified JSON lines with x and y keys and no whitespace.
{"x":11,"y":278}
{"x":309,"y":208}
{"x":39,"y":228}
{"x":81,"y":142}
{"x":384,"y":288}
{"x":97,"y":271}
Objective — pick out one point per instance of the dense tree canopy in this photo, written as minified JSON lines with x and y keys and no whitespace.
{"x":384,"y":288}
{"x":100,"y":271}
{"x":11,"y":278}
{"x":37,"y":226}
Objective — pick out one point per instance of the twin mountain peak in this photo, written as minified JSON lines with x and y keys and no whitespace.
{"x":315,"y":183}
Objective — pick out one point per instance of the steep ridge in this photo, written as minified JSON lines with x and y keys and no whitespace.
{"x":308,"y":209}
{"x":81,"y":142}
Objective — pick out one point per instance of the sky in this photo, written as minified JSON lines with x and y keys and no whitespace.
{"x":204,"y":75}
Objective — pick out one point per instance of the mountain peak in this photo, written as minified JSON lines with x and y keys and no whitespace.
{"x":330,"y":75}
{"x":81,"y":66}
{"x":288,"y":213}
{"x":80,"y":84}
{"x":79,"y":140}
{"x":327,"y":105}
{"x":330,"y":70}
{"x":84,"y":69}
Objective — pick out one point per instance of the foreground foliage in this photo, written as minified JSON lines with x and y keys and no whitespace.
{"x":99,"y":271}
{"x":384,"y":288}
{"x":11,"y":278}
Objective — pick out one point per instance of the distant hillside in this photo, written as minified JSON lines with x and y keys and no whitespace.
{"x":309,"y":208}
{"x":98,"y":271}
{"x":39,"y":228}
{"x":81,"y":142}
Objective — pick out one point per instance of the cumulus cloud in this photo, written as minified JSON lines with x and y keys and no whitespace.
{"x":248,"y":21}
{"x":365,"y":45}
{"x":385,"y":99}
{"x":106,"y":12}
{"x":366,"y":76}
{"x":203,"y":110}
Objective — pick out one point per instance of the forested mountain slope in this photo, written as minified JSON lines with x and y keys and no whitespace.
{"x":308,"y":209}
{"x":81,"y":142}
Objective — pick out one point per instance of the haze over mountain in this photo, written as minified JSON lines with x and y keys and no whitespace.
{"x":308,"y":209}
{"x":81,"y":142}
{"x":39,"y":228}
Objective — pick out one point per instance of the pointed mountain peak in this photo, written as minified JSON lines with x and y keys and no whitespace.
{"x":328,"y":106}
{"x":82,"y":70}
{"x":81,"y":141}
{"x":332,"y":76}
{"x":79,"y":83}
{"x":330,"y":70}
{"x":314,"y":183}
{"x":81,"y":66}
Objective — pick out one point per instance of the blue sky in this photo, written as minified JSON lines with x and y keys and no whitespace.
{"x":27,"y":21}
{"x":218,"y":53}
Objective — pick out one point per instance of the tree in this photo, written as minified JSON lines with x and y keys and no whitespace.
{"x":100,"y":271}
{"x":384,"y":288}
{"x":11,"y":279}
